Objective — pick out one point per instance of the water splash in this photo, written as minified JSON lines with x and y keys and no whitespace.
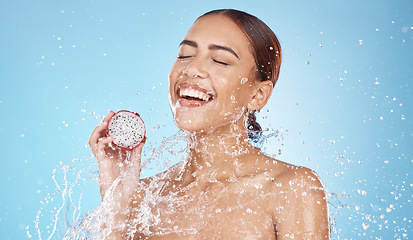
{"x":69,"y":222}
{"x":61,"y":210}
{"x":65,"y":202}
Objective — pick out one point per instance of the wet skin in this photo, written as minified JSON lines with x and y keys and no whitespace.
{"x":246,"y":195}
{"x":225,"y":189}
{"x":263,"y":199}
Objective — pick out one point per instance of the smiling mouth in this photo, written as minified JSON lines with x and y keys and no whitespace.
{"x":193,"y":95}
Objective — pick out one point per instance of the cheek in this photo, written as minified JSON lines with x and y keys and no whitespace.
{"x":172,"y":74}
{"x":176,"y":70}
{"x":173,"y":77}
{"x":239,"y":94}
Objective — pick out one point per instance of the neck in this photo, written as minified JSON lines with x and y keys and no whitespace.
{"x":218,"y":153}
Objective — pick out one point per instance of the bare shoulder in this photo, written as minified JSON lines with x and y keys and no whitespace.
{"x":293,"y":187}
{"x":171,"y":173}
{"x":297,"y":202}
{"x":292,"y":176}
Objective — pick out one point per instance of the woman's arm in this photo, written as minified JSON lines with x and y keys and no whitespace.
{"x":119,"y":182}
{"x":300,"y":210}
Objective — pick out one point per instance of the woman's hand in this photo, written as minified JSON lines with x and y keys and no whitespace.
{"x":119,"y":182}
{"x":116,"y":163}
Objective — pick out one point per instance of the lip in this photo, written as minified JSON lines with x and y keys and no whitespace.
{"x":193,"y":103}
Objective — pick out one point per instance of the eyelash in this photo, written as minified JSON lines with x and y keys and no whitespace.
{"x":183,"y":57}
{"x":216,"y":61}
{"x":219,"y":62}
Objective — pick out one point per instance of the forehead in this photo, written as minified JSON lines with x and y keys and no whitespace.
{"x":218,"y":29}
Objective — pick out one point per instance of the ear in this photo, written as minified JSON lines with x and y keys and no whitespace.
{"x":260,"y":95}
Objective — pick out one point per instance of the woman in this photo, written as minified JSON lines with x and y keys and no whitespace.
{"x":227,"y":66}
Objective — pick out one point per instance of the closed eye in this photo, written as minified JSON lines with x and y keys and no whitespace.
{"x":219,"y":62}
{"x":183,"y":57}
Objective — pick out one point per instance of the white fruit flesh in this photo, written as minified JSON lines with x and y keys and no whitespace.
{"x":126,"y":129}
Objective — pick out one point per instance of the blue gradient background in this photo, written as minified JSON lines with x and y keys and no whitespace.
{"x":343,"y":103}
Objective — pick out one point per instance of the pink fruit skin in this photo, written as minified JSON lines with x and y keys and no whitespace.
{"x":144,"y":131}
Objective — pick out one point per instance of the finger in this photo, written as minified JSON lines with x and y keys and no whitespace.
{"x":133,"y":168}
{"x":96,"y":136}
{"x":109,"y":116}
{"x":102,"y":144}
{"x":136,"y":154}
{"x":135,"y":160}
{"x":99,"y":131}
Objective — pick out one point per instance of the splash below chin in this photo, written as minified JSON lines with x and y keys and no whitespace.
{"x":196,"y":126}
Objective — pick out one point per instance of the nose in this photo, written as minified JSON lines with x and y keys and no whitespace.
{"x":196,"y":69}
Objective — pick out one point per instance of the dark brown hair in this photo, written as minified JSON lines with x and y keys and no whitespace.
{"x":265,"y":48}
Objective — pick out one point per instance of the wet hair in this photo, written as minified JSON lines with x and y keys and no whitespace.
{"x":266,"y":50}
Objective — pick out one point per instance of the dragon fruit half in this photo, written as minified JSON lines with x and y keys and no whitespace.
{"x":126,"y":129}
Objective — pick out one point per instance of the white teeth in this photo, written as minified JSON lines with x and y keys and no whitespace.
{"x":189,"y":92}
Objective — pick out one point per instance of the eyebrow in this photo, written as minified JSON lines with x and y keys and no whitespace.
{"x":210,"y":47}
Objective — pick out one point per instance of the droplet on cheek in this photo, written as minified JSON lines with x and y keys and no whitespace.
{"x":244,"y":80}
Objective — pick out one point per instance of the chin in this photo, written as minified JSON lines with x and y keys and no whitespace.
{"x":204,"y":119}
{"x":191,"y":125}
{"x":203,"y":125}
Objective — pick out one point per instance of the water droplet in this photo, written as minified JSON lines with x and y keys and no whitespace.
{"x":244,"y":80}
{"x":365,"y":226}
{"x":361,"y":192}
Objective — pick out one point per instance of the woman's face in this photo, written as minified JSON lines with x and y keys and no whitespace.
{"x":210,"y":82}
